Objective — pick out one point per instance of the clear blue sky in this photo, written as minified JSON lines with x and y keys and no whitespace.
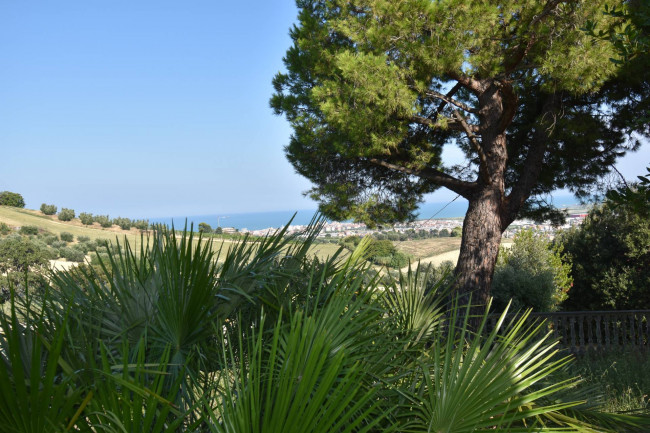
{"x":150,"y":108}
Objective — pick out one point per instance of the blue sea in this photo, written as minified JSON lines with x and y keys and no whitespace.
{"x":263,"y":220}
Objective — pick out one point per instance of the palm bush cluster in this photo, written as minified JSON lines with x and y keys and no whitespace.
{"x":175,"y":336}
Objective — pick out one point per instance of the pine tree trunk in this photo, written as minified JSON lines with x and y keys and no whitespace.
{"x":480,"y":246}
{"x":484,"y":221}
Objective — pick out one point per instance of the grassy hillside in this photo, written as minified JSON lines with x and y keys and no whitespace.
{"x":15,"y":217}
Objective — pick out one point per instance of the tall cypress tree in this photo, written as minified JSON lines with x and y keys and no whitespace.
{"x":375,"y":90}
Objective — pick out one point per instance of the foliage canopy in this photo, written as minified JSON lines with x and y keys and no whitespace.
{"x":533,"y":273}
{"x":610,"y":252}
{"x":375,"y":90}
{"x":8,"y":198}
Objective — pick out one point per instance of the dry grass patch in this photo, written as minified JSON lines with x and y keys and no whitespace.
{"x":422,"y":248}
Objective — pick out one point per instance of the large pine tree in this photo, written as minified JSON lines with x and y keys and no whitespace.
{"x":375,"y":89}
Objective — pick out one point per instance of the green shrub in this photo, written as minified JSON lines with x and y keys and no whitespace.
{"x":533,"y":273}
{"x":379,"y":252}
{"x":13,"y":199}
{"x":611,"y":259}
{"x":58,"y":244}
{"x":141,"y":224}
{"x":66,"y":214}
{"x":72,"y":254}
{"x":83,"y":239}
{"x":29,"y":230}
{"x":65,"y":236}
{"x":91,"y":245}
{"x":103,"y":221}
{"x":123,"y":223}
{"x":81,"y":247}
{"x":96,"y":258}
{"x":48,"y":209}
{"x":86,"y":218}
{"x":4,"y":229}
{"x":19,"y":254}
{"x":205,"y":228}
{"x":49,"y":239}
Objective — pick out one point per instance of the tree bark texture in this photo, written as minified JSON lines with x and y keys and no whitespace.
{"x":488,"y":213}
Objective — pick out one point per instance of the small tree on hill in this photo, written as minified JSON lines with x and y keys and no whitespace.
{"x":205,"y":228}
{"x":13,"y":199}
{"x":48,"y":209}
{"x":124,"y":223}
{"x":86,"y":218}
{"x":141,"y":224}
{"x":66,"y":214}
{"x":103,"y":221}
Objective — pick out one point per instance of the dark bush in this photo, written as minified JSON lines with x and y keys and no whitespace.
{"x":66,"y":214}
{"x":65,"y":236}
{"x":86,"y":218}
{"x":48,"y":209}
{"x":83,"y":239}
{"x":4,"y":229}
{"x":13,"y":199}
{"x":611,"y":260}
{"x":29,"y":230}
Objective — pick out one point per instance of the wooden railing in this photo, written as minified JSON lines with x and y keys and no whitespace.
{"x":582,"y":331}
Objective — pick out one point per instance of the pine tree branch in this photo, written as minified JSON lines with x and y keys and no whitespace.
{"x":449,"y":94}
{"x":449,"y":123}
{"x":438,"y":177}
{"x":476,"y":144}
{"x":473,"y":85}
{"x":533,"y":164}
{"x":448,"y":99}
